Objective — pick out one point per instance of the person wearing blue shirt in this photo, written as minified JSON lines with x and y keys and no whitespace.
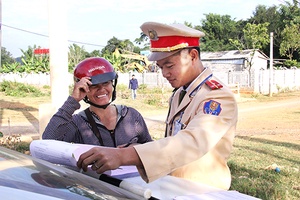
{"x":133,"y":85}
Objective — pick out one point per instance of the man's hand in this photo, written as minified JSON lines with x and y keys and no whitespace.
{"x":107,"y":158}
{"x":101,"y":159}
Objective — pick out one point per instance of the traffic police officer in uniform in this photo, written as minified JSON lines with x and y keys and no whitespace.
{"x":200,"y":126}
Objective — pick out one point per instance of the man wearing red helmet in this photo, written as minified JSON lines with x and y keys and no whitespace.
{"x":201,"y":123}
{"x":102,"y":123}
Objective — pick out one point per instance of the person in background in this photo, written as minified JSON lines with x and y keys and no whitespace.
{"x":133,"y":85}
{"x":201,"y":123}
{"x":102,"y":123}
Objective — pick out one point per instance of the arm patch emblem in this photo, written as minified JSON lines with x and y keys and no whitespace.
{"x":212,"y":107}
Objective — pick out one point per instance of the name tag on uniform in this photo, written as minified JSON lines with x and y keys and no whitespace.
{"x":178,"y":125}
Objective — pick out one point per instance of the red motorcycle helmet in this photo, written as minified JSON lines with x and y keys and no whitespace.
{"x":98,"y":69}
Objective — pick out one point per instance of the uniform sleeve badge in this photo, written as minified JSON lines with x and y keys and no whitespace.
{"x":212,"y":108}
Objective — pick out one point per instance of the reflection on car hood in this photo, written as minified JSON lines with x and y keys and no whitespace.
{"x":20,"y":173}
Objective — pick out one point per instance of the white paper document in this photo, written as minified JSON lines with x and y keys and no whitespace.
{"x":58,"y":152}
{"x":67,"y":154}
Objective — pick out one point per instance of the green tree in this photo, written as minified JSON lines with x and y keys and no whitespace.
{"x":116,"y":60}
{"x":290,"y":16}
{"x":290,"y":11}
{"x":218,"y":30}
{"x":95,"y":53}
{"x":111,"y":52}
{"x":75,"y":55}
{"x":277,"y":17}
{"x":143,"y":39}
{"x":291,"y":40}
{"x":114,"y":43}
{"x":263,"y":14}
{"x":255,"y":37}
{"x":6,"y":57}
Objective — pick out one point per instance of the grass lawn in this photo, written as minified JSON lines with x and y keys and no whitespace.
{"x":252,"y":171}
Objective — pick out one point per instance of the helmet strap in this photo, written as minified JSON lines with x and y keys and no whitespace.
{"x":86,"y":100}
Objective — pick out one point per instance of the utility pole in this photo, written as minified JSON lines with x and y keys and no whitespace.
{"x":58,"y":44}
{"x":271,"y":66}
{"x":58,"y":47}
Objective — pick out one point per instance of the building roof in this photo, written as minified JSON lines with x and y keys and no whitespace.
{"x":230,"y":55}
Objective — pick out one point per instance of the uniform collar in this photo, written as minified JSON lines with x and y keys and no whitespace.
{"x":192,"y":89}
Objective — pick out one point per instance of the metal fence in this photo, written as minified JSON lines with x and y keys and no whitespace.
{"x":258,"y":81}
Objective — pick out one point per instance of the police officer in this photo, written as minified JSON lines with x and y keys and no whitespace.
{"x":201,"y":123}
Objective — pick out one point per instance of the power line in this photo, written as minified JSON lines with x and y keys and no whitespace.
{"x":24,"y":30}
{"x":34,"y":33}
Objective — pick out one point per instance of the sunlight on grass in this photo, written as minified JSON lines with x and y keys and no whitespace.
{"x":249,"y":162}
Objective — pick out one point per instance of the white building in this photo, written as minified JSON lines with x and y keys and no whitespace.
{"x":235,"y":60}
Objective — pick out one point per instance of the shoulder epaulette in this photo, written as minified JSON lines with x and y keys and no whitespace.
{"x":213,"y":84}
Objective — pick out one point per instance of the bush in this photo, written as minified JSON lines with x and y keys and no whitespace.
{"x":291,"y":63}
{"x":14,"y":142}
{"x":121,"y":88}
{"x":23,"y":147}
{"x":142,"y":86}
{"x":10,"y":142}
{"x":20,"y":90}
{"x":123,"y":91}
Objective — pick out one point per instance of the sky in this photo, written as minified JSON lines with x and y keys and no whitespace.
{"x":92,"y":23}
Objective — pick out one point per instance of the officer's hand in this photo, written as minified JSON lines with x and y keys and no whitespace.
{"x":101,"y":159}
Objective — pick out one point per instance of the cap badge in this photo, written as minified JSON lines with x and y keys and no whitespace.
{"x":153,"y":35}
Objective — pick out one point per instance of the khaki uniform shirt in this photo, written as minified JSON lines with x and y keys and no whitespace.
{"x":199,"y":151}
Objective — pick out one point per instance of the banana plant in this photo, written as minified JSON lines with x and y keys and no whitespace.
{"x":12,"y":68}
{"x":35,"y":62}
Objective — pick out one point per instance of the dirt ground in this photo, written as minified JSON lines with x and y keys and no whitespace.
{"x":278,"y":119}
